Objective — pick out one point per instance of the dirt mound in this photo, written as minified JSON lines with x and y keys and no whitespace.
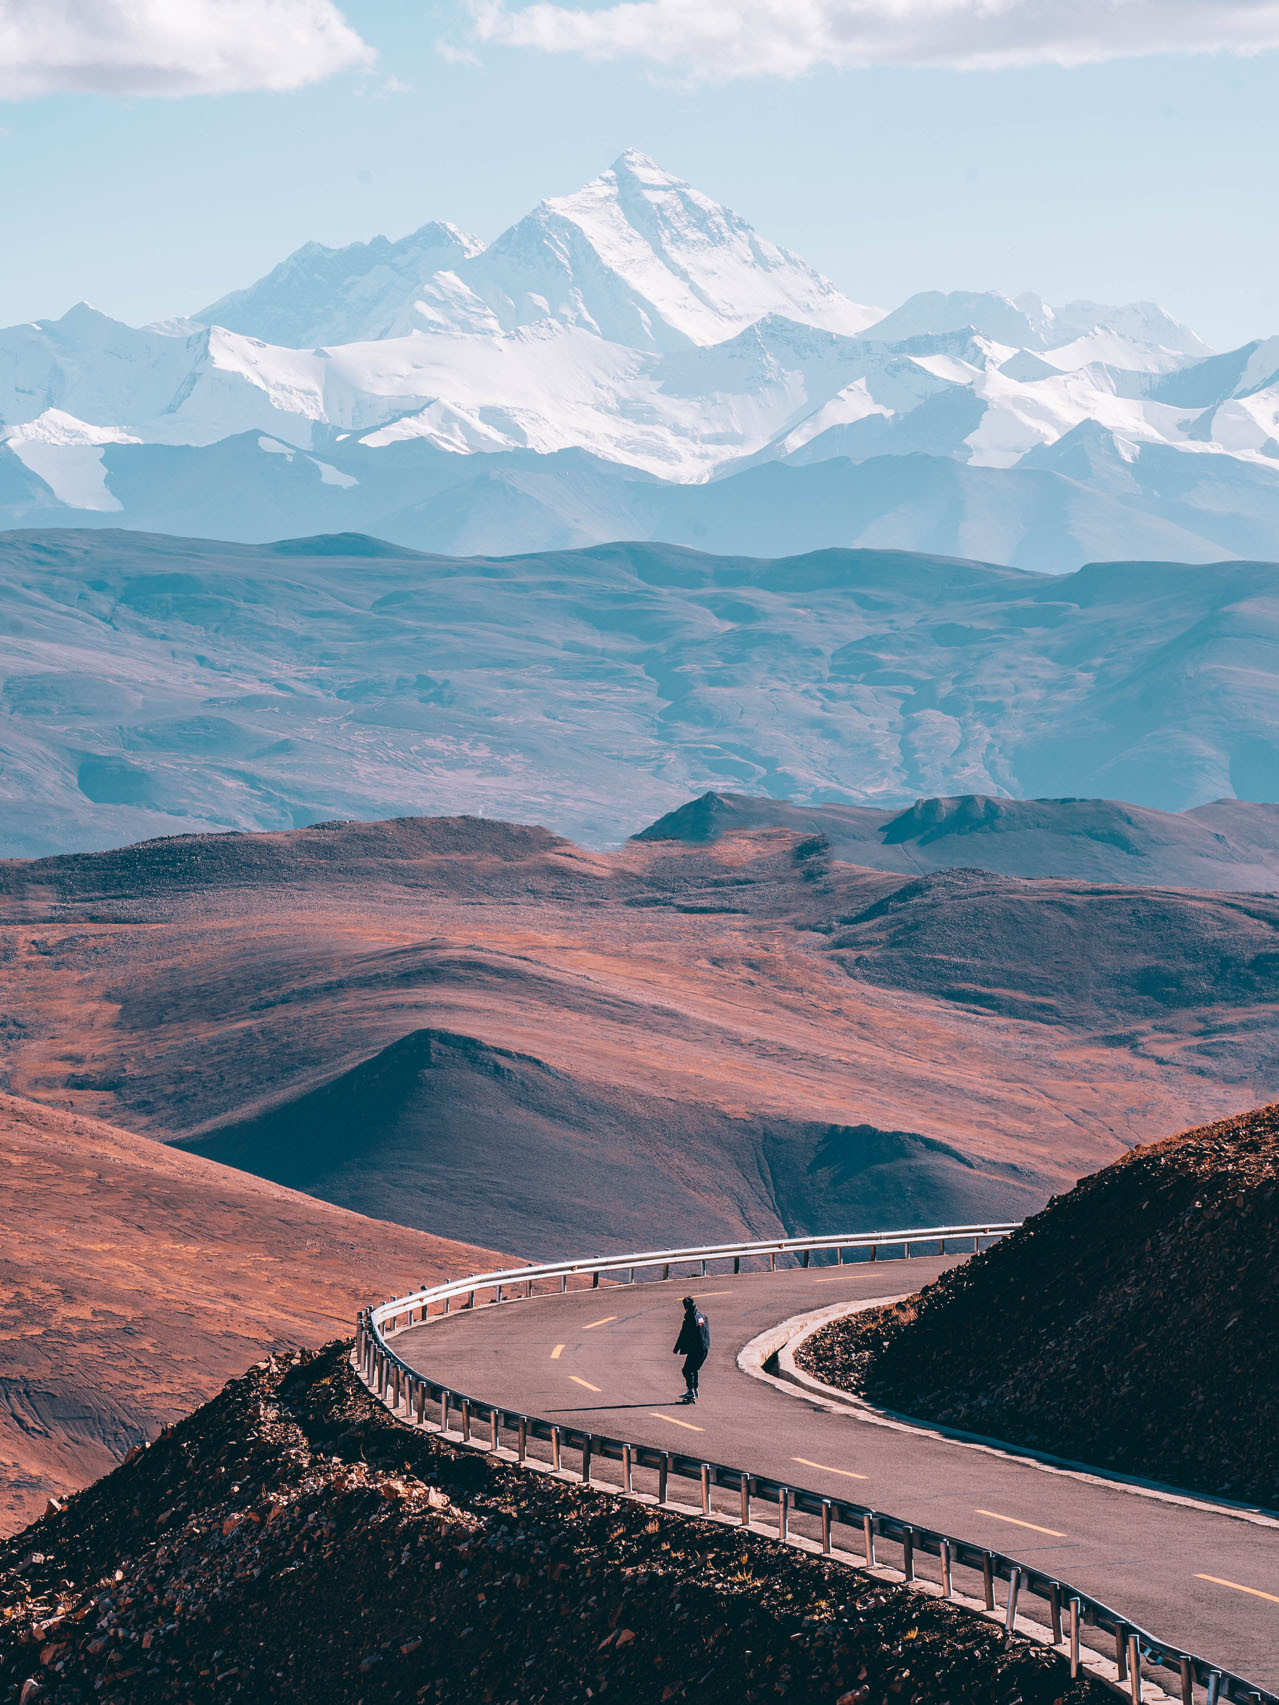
{"x":290,"y":1543}
{"x":1134,"y":1323}
{"x":135,"y":1279}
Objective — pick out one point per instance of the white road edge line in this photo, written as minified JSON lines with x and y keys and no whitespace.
{"x":783,"y":1340}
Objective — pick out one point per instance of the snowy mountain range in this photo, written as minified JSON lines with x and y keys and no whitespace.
{"x":633,"y":360}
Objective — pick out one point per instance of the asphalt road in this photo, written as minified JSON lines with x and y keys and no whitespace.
{"x":602,"y":1359}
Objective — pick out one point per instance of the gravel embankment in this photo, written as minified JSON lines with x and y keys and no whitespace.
{"x":289,"y":1542}
{"x":1133,"y":1324}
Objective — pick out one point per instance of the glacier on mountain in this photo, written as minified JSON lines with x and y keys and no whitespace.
{"x":644,"y":327}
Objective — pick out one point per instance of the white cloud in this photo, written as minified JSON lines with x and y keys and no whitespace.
{"x":732,"y":38}
{"x":171,"y":47}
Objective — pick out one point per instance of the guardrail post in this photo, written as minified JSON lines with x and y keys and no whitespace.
{"x":772,"y":1261}
{"x":420,"y":1404}
{"x":1054,"y":1611}
{"x":466,"y":1420}
{"x":586,"y":1460}
{"x":628,"y":1469}
{"x":1187,"y":1682}
{"x":703,"y":1272}
{"x":783,"y":1512}
{"x":868,"y":1539}
{"x":666,"y":1269}
{"x":444,"y":1411}
{"x":737,"y":1263}
{"x":826,"y":1526}
{"x":908,"y":1554}
{"x":1134,"y":1669}
{"x":1074,"y":1639}
{"x":1214,"y":1686}
{"x":746,"y":1499}
{"x":947,"y":1571}
{"x":493,"y":1425}
{"x":1014,"y":1593}
{"x":1121,"y":1652}
{"x":706,"y":1488}
{"x":663,"y":1475}
{"x":803,"y":1260}
{"x":522,"y":1439}
{"x":595,"y":1281}
{"x":874,"y":1252}
{"x":988,"y":1579}
{"x":555,"y":1449}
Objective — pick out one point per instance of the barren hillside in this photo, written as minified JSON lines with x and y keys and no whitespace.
{"x":484,"y":1031}
{"x":135,"y":1279}
{"x":1137,"y":1321}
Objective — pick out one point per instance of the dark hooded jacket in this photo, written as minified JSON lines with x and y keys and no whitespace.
{"x":694,"y":1339}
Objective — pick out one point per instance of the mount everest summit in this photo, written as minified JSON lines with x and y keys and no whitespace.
{"x":633,"y":360}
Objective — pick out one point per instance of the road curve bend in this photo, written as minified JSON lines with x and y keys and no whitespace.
{"x":601,"y":1359}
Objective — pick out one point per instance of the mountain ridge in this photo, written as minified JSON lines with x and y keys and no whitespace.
{"x":639,"y":322}
{"x":152,"y":685}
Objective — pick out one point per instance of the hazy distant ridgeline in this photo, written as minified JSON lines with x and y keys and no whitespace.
{"x":154,"y":685}
{"x":1229,"y":844}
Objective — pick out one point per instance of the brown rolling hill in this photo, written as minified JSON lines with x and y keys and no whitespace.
{"x":1134,"y":1323}
{"x":1230,"y":844}
{"x":134,"y":1280}
{"x":484,"y":1031}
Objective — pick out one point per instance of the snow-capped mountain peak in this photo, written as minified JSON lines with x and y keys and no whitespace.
{"x":629,"y":341}
{"x":638,"y":257}
{"x":319,"y":295}
{"x":1138,"y":335}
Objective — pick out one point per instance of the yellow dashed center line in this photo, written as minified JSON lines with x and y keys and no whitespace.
{"x":585,"y":1382}
{"x":704,"y":1294}
{"x":1052,"y":1532}
{"x":675,"y":1421}
{"x":827,"y":1469}
{"x":1253,"y":1592}
{"x":557,"y":1352}
{"x":604,"y":1322}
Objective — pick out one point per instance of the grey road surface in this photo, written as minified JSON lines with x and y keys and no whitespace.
{"x":601,"y":1359}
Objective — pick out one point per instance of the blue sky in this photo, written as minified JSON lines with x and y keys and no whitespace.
{"x":1147,"y":176}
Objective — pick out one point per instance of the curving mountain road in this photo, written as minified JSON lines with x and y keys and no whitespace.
{"x":601,"y":1359}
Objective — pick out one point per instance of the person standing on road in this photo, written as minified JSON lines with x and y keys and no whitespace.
{"x":694,"y":1344}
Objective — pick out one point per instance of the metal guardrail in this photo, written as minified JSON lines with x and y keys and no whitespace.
{"x":1069,"y":1611}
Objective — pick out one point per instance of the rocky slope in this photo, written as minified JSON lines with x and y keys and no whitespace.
{"x":1134,"y":1323}
{"x":157,"y":686}
{"x":290,"y":1543}
{"x":482,"y":1030}
{"x":134,"y":1280}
